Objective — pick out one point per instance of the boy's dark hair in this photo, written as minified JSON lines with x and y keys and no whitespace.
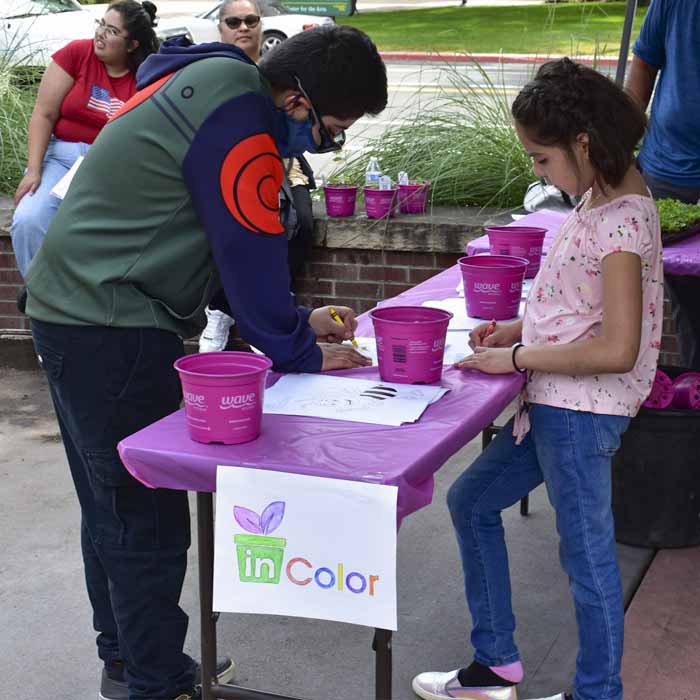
{"x":338,"y":66}
{"x":139,"y":19}
{"x":567,"y":99}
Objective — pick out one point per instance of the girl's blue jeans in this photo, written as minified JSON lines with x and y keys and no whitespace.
{"x":34,"y":212}
{"x":571,"y":452}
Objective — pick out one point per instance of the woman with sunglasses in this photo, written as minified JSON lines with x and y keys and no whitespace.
{"x":240,"y":25}
{"x":87,"y":81}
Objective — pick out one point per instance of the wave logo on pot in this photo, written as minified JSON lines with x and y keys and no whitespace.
{"x":260,"y":556}
{"x":195,"y":400}
{"x":487,"y":287}
{"x":515,"y":287}
{"x":237,"y":401}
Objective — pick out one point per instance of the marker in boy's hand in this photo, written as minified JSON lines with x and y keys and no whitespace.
{"x":333,"y":324}
{"x":334,"y":315}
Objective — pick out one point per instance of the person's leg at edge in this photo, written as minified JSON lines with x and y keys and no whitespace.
{"x":574,"y":449}
{"x":499,"y":478}
{"x":96,"y":580}
{"x":33,"y":214}
{"x":106,"y":384}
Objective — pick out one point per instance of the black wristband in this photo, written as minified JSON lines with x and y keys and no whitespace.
{"x":517,"y":347}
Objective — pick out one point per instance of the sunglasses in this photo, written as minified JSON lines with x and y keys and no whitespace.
{"x":329,"y":143}
{"x":250,"y":21}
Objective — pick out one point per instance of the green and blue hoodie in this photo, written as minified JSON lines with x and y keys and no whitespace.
{"x":178,"y":196}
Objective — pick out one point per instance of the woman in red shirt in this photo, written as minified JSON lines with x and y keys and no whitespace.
{"x":84,"y":85}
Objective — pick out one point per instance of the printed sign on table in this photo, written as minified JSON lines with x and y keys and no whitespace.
{"x":306,"y":546}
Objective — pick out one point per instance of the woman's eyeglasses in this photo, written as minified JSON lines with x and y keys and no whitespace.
{"x":329,"y":142}
{"x":250,"y":21}
{"x":107,"y":29}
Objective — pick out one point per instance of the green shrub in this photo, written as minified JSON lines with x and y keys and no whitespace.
{"x":16,"y":104}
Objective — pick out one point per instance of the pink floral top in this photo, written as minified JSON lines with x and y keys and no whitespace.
{"x":565,"y":303}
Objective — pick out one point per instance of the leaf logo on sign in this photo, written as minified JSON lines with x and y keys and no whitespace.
{"x":259,"y":556}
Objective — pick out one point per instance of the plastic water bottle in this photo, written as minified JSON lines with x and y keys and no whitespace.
{"x":403,"y":178}
{"x":373,"y":173}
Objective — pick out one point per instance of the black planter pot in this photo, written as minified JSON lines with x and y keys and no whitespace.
{"x":656,"y":478}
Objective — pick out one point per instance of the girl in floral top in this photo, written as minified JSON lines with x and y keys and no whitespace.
{"x":589,"y":343}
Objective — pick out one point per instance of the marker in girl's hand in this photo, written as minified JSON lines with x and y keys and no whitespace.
{"x":490,"y":329}
{"x":336,"y":317}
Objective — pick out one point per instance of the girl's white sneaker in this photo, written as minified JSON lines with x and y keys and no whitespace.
{"x":446,"y":686}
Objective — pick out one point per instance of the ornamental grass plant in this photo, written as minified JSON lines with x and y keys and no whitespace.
{"x":461,"y":140}
{"x":17,"y":96}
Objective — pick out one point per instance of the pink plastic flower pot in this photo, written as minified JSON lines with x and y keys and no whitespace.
{"x":686,"y":391}
{"x":520,"y":242}
{"x":223,"y":394}
{"x":340,"y":199}
{"x":413,"y":198}
{"x":380,"y":203}
{"x":410,"y":343}
{"x":661,"y":394}
{"x":493,"y":285}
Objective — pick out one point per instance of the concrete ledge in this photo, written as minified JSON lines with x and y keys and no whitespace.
{"x":440,"y":230}
{"x":17,"y":350}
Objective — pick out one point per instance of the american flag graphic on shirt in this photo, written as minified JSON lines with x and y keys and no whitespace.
{"x":102,"y":101}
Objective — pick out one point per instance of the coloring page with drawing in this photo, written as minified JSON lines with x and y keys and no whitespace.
{"x":357,"y":400}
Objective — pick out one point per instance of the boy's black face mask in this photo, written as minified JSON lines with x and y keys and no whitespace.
{"x":329,"y":143}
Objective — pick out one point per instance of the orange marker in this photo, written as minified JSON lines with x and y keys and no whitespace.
{"x":491,"y":328}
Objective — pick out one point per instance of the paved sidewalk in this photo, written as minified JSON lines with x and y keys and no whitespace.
{"x":47,"y":645}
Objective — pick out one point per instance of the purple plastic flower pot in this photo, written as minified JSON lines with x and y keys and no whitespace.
{"x":492,"y":285}
{"x":223,"y":394}
{"x":520,"y":242}
{"x":340,"y":199}
{"x":413,"y":198}
{"x":380,"y":203}
{"x":661,"y":394}
{"x":410,"y":343}
{"x":686,"y":391}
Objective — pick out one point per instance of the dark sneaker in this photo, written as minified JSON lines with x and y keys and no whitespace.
{"x":114,"y":686}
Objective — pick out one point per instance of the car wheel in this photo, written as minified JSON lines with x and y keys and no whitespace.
{"x":272,"y":39}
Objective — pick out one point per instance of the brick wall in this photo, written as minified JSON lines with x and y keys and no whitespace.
{"x":355,"y":262}
{"x":10,"y":279}
{"x":360,"y":278}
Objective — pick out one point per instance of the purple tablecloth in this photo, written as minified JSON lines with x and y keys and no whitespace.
{"x":682,"y":258}
{"x":162,"y":455}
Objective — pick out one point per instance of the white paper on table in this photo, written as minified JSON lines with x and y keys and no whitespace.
{"x":456,"y":347}
{"x":527,"y":285}
{"x":460,"y":321}
{"x":345,"y":398}
{"x":60,"y":189}
{"x":517,"y":217}
{"x":367,"y":347}
{"x":308,"y":546}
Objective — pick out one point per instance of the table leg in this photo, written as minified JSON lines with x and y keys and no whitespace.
{"x":382,"y":666}
{"x":211,"y":690}
{"x":207,"y":619}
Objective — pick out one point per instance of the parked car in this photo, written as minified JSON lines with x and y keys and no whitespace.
{"x":278,"y":24}
{"x":32,"y":30}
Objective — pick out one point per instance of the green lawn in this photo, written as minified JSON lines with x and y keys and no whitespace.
{"x":572,"y":29}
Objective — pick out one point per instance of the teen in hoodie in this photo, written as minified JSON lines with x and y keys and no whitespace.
{"x":177,"y":197}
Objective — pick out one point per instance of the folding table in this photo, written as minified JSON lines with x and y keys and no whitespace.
{"x":163,"y":456}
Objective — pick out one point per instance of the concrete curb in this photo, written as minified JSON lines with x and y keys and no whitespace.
{"x":521,"y":58}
